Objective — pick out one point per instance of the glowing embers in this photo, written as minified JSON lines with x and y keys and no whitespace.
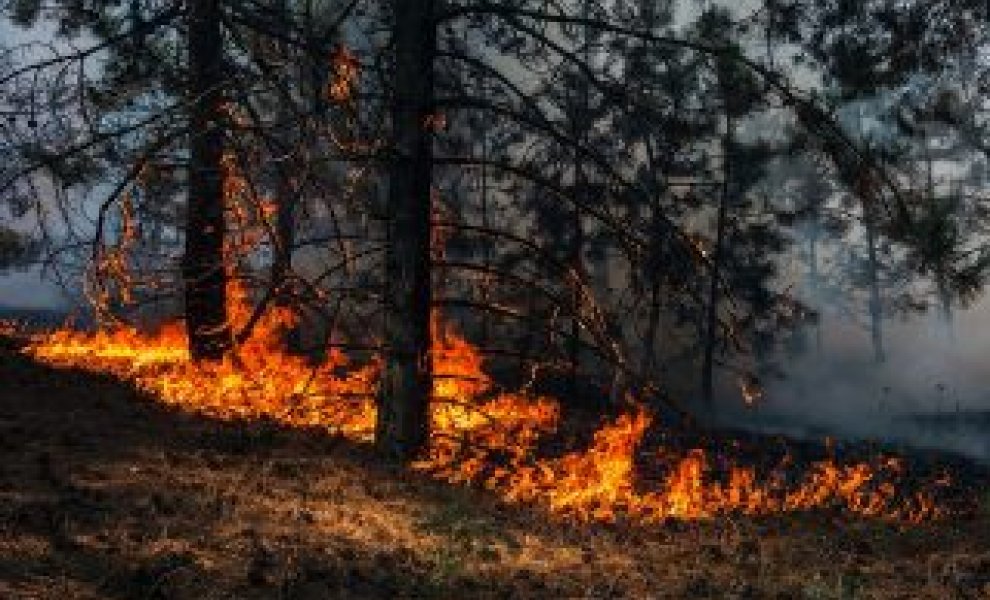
{"x":485,"y":436}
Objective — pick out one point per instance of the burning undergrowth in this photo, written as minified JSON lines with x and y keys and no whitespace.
{"x":630,"y":467}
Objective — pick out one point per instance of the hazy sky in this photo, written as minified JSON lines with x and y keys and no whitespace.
{"x":26,"y":289}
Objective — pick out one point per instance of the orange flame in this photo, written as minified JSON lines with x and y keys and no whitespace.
{"x":346,"y":69}
{"x":481,"y":435}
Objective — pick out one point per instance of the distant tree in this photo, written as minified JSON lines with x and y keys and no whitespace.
{"x":919,"y":63}
{"x":17,"y":250}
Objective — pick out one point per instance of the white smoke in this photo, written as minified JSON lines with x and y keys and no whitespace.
{"x":932,"y":391}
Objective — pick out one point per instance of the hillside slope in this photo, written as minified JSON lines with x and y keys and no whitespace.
{"x":105,"y":494}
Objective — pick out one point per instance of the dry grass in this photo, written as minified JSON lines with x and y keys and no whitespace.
{"x":104,"y":494}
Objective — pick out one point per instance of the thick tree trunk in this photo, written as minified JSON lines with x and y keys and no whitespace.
{"x":203,"y":265}
{"x":402,"y":429}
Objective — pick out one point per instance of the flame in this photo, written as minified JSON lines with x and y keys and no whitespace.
{"x":345,"y":68}
{"x":482,"y":435}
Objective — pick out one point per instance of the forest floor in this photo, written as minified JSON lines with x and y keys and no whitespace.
{"x":106,"y":494}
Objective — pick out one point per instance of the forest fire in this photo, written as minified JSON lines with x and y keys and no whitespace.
{"x":482,"y":436}
{"x":435,"y":299}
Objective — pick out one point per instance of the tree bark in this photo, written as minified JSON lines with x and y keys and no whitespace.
{"x":204,"y":274}
{"x":402,"y":427}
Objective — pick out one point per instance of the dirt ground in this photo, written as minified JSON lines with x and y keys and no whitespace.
{"x":105,"y":494}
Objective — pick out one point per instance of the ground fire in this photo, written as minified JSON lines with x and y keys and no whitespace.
{"x":481,"y":434}
{"x":485,"y":437}
{"x":449,"y":298}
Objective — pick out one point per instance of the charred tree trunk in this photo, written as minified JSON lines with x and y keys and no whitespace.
{"x":204,"y":273}
{"x":402,"y":427}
